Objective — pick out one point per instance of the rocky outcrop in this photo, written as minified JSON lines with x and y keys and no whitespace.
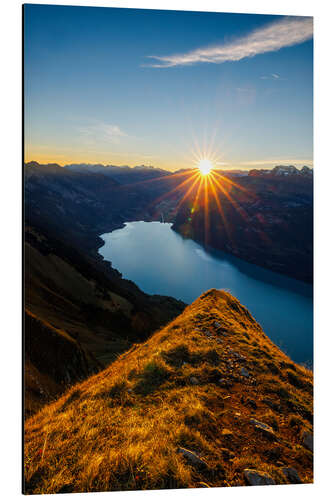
{"x":192,"y":458}
{"x":307,"y":440}
{"x":258,"y":478}
{"x":265,"y":429}
{"x":291,"y":475}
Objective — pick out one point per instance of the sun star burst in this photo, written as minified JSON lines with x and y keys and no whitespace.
{"x":205,"y":166}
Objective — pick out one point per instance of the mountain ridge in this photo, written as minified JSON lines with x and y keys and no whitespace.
{"x":208,"y":400}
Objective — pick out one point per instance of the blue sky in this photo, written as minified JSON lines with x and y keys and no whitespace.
{"x":236,"y":88}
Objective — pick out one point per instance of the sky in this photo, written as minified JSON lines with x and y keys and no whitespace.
{"x":166,"y":88}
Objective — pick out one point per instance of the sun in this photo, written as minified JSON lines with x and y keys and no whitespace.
{"x":205,"y":166}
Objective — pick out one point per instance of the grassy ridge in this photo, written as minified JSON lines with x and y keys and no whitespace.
{"x":203,"y":400}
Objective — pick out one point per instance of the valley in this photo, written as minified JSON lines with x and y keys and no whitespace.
{"x":244,"y":217}
{"x":101,"y":354}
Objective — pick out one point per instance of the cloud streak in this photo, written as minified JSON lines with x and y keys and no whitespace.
{"x":272,"y":76}
{"x":270,"y":38}
{"x":101,"y":132}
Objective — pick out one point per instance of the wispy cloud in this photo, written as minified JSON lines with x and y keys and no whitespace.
{"x":270,"y":38}
{"x":101,"y":132}
{"x":272,"y":76}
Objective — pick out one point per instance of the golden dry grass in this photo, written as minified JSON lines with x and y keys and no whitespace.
{"x":122,"y":428}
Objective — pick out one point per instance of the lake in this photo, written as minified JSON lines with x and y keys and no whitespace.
{"x":162,"y":262}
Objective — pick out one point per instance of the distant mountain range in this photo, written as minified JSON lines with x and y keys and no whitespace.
{"x":283,"y":170}
{"x":125,"y":173}
{"x":122,"y":174}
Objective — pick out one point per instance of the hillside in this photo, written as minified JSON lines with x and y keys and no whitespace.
{"x":89,"y":299}
{"x":53,"y":361}
{"x":207,"y":401}
{"x":78,"y":304}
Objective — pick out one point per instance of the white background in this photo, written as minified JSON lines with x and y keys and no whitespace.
{"x":10,"y":300}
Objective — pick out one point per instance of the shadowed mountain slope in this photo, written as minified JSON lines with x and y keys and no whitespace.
{"x":88,"y":299}
{"x":266,"y":220}
{"x":208,"y":400}
{"x":53,"y":361}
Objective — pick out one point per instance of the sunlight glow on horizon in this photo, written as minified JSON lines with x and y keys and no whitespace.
{"x":205,"y":166}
